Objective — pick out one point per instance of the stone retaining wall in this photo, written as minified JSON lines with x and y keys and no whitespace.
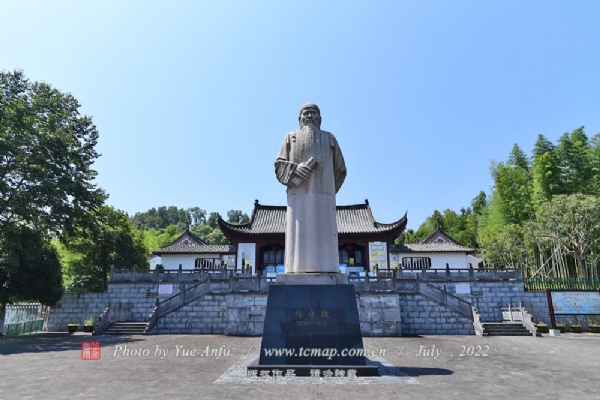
{"x":243,"y":314}
{"x":75,"y":309}
{"x":537,"y":305}
{"x":379,"y":314}
{"x":424,"y":317}
{"x":206,"y":315}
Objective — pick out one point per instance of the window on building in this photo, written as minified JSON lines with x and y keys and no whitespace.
{"x":273,"y":257}
{"x":352,"y":255}
{"x":416,"y":262}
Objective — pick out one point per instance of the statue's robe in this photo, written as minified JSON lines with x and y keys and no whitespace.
{"x":311,"y":240}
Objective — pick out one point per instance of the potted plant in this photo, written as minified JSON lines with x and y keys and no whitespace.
{"x":576,"y":326}
{"x":542,"y":327}
{"x":561,"y":327}
{"x":593,"y":325}
{"x":72,"y":327}
{"x":88,"y":325}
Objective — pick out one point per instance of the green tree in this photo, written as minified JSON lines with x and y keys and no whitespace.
{"x":517,"y":158}
{"x":209,"y":235}
{"x":478,"y":203}
{"x":46,"y":155}
{"x":217,"y":237}
{"x":594,"y":186}
{"x":198,"y":215}
{"x":545,"y":171}
{"x":155,"y":239}
{"x":112,"y":241}
{"x":30,"y":269}
{"x":513,"y":186}
{"x":573,"y":221}
{"x":503,"y":244}
{"x":574,"y":154}
{"x":212,"y":220}
{"x":237,"y":217}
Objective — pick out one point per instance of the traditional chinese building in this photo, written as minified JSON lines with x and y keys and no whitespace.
{"x":189,"y":251}
{"x":363,"y":243}
{"x":434,"y":251}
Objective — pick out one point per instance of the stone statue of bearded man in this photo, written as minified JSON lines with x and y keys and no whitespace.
{"x":311,"y":165}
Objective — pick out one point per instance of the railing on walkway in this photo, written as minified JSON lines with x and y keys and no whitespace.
{"x":23,"y":328}
{"x":539,"y":284}
{"x":462,"y":274}
{"x":479,"y":331}
{"x":24,"y":318}
{"x":442,"y":297}
{"x":167,"y":306}
{"x":112,"y":314}
{"x":157,"y":275}
{"x":430,"y":275}
{"x":399,"y":281}
{"x":519,"y":314}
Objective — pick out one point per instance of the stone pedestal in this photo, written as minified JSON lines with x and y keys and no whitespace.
{"x":317,"y":278}
{"x":313,"y":327}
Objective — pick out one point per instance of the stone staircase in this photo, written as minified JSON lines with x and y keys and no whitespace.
{"x":125,"y":328}
{"x":505,"y":329}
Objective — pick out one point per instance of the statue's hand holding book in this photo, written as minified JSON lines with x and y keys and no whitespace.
{"x":303,"y":171}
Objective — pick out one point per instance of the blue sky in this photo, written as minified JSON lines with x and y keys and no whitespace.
{"x":192,"y":99}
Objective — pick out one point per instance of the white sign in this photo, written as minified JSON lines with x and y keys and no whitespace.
{"x":576,"y":302}
{"x":378,"y":255}
{"x":165,"y":288}
{"x":463,"y":288}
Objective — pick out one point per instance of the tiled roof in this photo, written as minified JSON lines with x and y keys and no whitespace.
{"x":199,"y":249}
{"x":356,"y":218}
{"x":195,"y":240}
{"x":438,"y":236}
{"x":430,"y":248}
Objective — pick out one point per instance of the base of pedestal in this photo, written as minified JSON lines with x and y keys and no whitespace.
{"x":317,"y":278}
{"x":310,"y":327}
{"x":320,"y":371}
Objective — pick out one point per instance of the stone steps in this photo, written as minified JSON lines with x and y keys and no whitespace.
{"x":505,"y":329}
{"x":126,"y":328}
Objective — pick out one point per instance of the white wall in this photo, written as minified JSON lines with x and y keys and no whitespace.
{"x":439,"y":260}
{"x":154,"y":261}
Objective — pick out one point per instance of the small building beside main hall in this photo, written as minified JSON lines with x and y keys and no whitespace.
{"x":191,"y":252}
{"x":435,"y":251}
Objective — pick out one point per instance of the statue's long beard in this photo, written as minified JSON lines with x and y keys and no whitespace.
{"x":313,"y":125}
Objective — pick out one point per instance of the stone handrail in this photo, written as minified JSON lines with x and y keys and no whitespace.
{"x":461,"y":274}
{"x":527,"y":320}
{"x":112,"y":314}
{"x":176,"y":301}
{"x":175,"y":275}
{"x":479,"y":331}
{"x":103,"y":322}
{"x":431,"y":275}
{"x":443,"y":298}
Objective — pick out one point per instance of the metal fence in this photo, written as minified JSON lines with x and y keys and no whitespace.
{"x":23,"y":328}
{"x":541,"y":284}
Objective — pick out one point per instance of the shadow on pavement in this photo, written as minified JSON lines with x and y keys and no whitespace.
{"x":55,"y":341}
{"x":410,"y":371}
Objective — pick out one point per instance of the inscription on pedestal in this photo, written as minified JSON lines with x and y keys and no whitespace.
{"x":312,"y":325}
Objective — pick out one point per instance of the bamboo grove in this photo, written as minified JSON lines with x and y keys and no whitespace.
{"x":543,"y":212}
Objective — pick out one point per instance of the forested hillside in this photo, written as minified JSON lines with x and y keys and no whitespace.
{"x":160,"y":226}
{"x":543,"y":211}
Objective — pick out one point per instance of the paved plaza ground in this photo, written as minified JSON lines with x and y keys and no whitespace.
{"x":49,"y":366}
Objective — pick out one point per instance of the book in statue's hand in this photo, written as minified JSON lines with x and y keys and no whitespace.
{"x":311,"y":163}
